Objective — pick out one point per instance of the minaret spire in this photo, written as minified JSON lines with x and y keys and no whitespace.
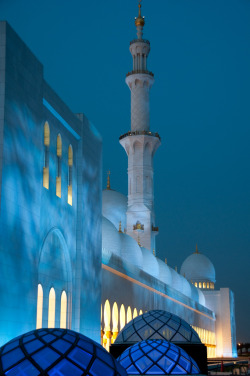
{"x":140,"y":143}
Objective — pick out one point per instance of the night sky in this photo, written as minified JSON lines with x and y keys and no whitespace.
{"x":200,"y":55}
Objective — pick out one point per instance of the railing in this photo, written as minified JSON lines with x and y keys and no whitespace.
{"x":155,"y":229}
{"x":140,"y":71}
{"x":139,"y":40}
{"x":139,"y":133}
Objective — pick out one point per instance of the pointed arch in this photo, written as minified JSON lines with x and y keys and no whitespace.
{"x":115,"y":318}
{"x":63,"y":313}
{"x":107,"y":316}
{"x":129,"y":314}
{"x":135,"y":313}
{"x":70,"y":167}
{"x":52,"y":308}
{"x":39,"y":311}
{"x":122,"y":317}
{"x":140,"y":313}
{"x":59,"y":163}
{"x":46,"y":142}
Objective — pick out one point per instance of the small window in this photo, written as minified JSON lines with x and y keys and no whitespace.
{"x":59,"y":163}
{"x":207,"y":285}
{"x":70,"y":167}
{"x":63,"y":315}
{"x":195,"y":284}
{"x":200,"y":285}
{"x":39,"y":312}
{"x":204,"y":285}
{"x":52,"y":308}
{"x":46,"y":156}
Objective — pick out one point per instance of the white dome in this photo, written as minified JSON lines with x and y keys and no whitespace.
{"x":111,"y":242}
{"x":198,"y":267}
{"x":165,"y":274}
{"x":114,"y":207}
{"x":150,"y":264}
{"x":130,"y":250}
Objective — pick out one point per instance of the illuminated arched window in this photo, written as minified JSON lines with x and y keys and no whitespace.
{"x":135,"y":313}
{"x":52,"y":308}
{"x":46,"y":142}
{"x":115,"y":318}
{"x":70,"y":167}
{"x":59,"y":163}
{"x":39,"y":311}
{"x":200,"y":285}
{"x":63,"y":315}
{"x":204,"y":285}
{"x":140,"y":313}
{"x":107,"y":317}
{"x":207,"y":285}
{"x":129,"y":314}
{"x":122,"y":317}
{"x":195,"y":284}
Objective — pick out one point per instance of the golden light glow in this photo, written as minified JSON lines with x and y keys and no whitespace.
{"x":207,"y":337}
{"x":122,"y":317}
{"x":140,"y":313}
{"x":59,"y":157}
{"x":107,"y":316}
{"x":63,"y":315}
{"x":70,"y":166}
{"x":39,"y":312}
{"x":52,"y":308}
{"x":46,"y":177}
{"x":129,"y":314}
{"x":115,"y":317}
{"x":135,"y":313}
{"x":46,"y":134}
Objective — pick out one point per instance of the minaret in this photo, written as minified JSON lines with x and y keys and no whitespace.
{"x":140,"y":145}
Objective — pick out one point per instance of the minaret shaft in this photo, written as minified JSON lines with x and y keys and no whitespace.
{"x":140,"y":145}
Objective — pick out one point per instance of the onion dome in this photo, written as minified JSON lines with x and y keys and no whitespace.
{"x":198,"y":268}
{"x":150,"y":264}
{"x":139,"y":21}
{"x":130,"y":251}
{"x":157,"y":357}
{"x":111,"y":242}
{"x":114,"y":207}
{"x":57,"y":352}
{"x":157,"y":324}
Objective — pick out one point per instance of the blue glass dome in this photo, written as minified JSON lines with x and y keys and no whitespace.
{"x":56,"y":352}
{"x":157,"y":357}
{"x":157,"y":324}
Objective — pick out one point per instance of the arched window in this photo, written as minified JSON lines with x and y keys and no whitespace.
{"x":59,"y":163}
{"x":200,"y":285}
{"x":63,"y":315}
{"x":107,"y":315}
{"x":140,"y":313}
{"x":207,"y":285}
{"x":204,"y":285}
{"x":135,"y":313}
{"x":70,"y":167}
{"x":39,"y":312}
{"x":195,"y":284}
{"x":115,"y":318}
{"x":52,"y":308}
{"x":129,"y":314}
{"x":46,"y":142}
{"x":122,"y":317}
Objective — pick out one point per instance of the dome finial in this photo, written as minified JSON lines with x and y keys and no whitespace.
{"x":139,"y":22}
{"x":108,"y":180}
{"x":196,"y":250}
{"x":120,"y":226}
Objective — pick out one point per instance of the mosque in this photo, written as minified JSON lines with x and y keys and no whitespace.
{"x":72,"y":256}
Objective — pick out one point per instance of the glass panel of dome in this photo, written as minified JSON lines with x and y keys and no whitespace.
{"x":154,"y":355}
{"x":61,"y":345}
{"x":126,"y":362}
{"x":155,"y":370}
{"x":173,"y":324}
{"x":173,"y":355}
{"x":156,"y":324}
{"x":99,"y":368}
{"x":136,"y":355}
{"x":127,"y":332}
{"x":25,"y":368}
{"x":185,"y":333}
{"x":12,"y":358}
{"x":10,"y":346}
{"x":86,"y":346}
{"x":178,"y":371}
{"x":185,"y":364}
{"x":143,"y":364}
{"x":156,"y":335}
{"x":166,"y":332}
{"x":33,"y":346}
{"x":48,"y":338}
{"x":166,"y":364}
{"x":69,"y":338}
{"x":149,"y":318}
{"x":145,"y":332}
{"x":45,"y":357}
{"x":133,"y":371}
{"x":80,"y":357}
{"x":178,"y":338}
{"x":65,"y":368}
{"x":135,"y":338}
{"x":28,"y":338}
{"x":57,"y":333}
{"x":139,"y":324}
{"x":104,"y":356}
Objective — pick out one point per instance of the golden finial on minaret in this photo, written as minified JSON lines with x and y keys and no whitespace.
{"x":153,"y":252}
{"x":108,"y":180}
{"x":166,"y":261}
{"x":139,"y":21}
{"x":120,"y":226}
{"x":138,"y":240}
{"x":176,"y":269}
{"x":196,"y":250}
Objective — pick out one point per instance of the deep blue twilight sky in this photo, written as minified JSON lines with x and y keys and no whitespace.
{"x":200,"y":55}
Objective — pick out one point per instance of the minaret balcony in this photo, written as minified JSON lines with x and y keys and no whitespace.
{"x":140,"y":41}
{"x":140,"y":133}
{"x":140,"y":71}
{"x":155,"y":230}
